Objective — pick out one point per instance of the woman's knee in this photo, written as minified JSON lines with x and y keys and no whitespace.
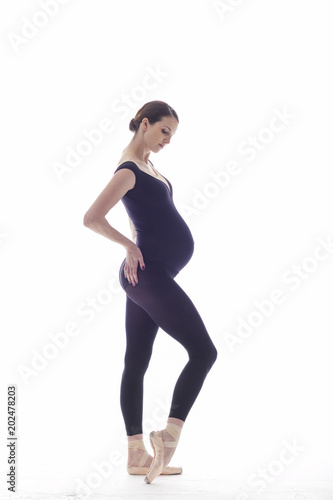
{"x":210,"y":355}
{"x":213,"y":354}
{"x":206,"y":353}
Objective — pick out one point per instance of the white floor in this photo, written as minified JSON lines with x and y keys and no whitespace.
{"x":182,"y":487}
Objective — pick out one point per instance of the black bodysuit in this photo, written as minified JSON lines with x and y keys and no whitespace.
{"x":162,"y":234}
{"x":157,"y":300}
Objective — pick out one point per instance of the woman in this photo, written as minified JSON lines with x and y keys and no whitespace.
{"x":162,"y":246}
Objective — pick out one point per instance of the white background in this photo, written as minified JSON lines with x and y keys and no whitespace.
{"x":227,"y":72}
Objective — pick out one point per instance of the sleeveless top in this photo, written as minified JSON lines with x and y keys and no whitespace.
{"x":162,"y":234}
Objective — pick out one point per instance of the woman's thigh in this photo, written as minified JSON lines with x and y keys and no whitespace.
{"x":170,"y":308}
{"x":141,"y":330}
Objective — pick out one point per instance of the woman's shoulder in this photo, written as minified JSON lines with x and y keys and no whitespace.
{"x":129,"y":164}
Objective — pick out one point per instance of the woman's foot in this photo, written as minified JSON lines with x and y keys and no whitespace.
{"x":170,"y":439}
{"x":139,"y":460}
{"x":137,"y":452}
{"x":164,"y":443}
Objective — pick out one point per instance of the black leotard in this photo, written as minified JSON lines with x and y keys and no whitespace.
{"x":157,"y":300}
{"x":162,"y":234}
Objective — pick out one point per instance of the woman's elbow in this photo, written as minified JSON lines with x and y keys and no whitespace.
{"x":88,"y":219}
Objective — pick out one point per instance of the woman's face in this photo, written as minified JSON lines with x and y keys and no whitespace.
{"x":158,"y":135}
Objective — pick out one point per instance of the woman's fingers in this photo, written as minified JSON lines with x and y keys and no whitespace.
{"x":133,"y":259}
{"x":134,"y":277}
{"x":130,"y":273}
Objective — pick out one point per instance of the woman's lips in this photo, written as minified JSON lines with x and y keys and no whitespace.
{"x":161,"y":145}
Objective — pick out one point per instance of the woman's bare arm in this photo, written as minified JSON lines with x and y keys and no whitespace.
{"x":94,"y":218}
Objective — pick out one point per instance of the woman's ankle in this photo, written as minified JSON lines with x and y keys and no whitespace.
{"x":177,"y":421}
{"x":135,"y":437}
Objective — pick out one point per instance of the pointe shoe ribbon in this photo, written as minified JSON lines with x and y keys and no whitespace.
{"x":140,"y":469}
{"x":157,"y":465}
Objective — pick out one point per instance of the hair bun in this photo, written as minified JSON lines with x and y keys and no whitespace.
{"x":132,"y":125}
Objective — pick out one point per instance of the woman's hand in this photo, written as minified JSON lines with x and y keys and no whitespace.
{"x":133,"y":257}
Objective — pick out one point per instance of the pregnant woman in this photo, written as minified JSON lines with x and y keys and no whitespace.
{"x":162,"y":245}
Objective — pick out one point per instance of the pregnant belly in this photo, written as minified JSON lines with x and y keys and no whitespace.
{"x":182,"y":247}
{"x":174,"y":247}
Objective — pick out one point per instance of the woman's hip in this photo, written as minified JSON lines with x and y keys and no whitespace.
{"x":154,"y":269}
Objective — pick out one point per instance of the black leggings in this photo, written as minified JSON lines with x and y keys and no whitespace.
{"x":158,"y":301}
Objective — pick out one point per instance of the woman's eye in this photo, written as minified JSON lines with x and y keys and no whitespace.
{"x":164,"y":131}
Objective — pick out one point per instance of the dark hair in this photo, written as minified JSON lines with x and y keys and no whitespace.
{"x":154,"y":111}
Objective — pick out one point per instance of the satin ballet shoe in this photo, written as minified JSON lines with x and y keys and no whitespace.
{"x":141,"y":469}
{"x":157,"y":465}
{"x":167,"y":471}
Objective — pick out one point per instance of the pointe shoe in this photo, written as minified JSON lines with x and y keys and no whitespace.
{"x":157,"y":465}
{"x":167,"y":471}
{"x":140,"y":469}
